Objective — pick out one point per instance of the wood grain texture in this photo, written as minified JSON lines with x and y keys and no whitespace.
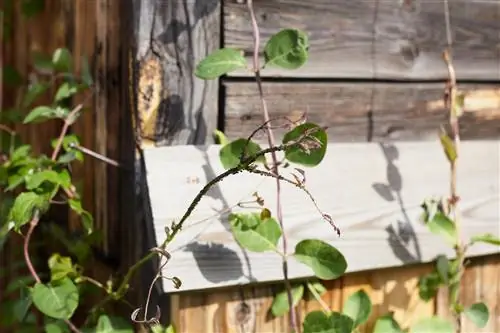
{"x":375,"y":39}
{"x":221,"y":310}
{"x":372,"y":191}
{"x":176,"y":107}
{"x":362,"y":111}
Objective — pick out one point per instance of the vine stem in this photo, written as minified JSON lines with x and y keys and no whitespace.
{"x":271,"y":142}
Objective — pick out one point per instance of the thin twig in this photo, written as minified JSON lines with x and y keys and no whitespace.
{"x":317,"y":296}
{"x":271,"y":141}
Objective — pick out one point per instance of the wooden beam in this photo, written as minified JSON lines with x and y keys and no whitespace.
{"x":372,"y":190}
{"x":362,"y":111}
{"x":175,"y":107}
{"x":381,"y":39}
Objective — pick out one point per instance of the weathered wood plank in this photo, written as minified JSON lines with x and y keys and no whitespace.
{"x":373,"y":191}
{"x":172,"y":37}
{"x":362,"y":111}
{"x":382,"y":39}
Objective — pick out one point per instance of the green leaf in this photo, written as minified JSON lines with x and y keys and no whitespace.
{"x":20,"y":153}
{"x":326,"y":261}
{"x":230,"y":154}
{"x":86,"y":74}
{"x":60,"y":267}
{"x":287,"y":49}
{"x":69,"y":140}
{"x":319,"y":322}
{"x":160,"y":329}
{"x":39,"y":114}
{"x":30,"y":8}
{"x":24,"y":206}
{"x":65,"y":90}
{"x":432,"y":324}
{"x":253,"y":233}
{"x":428,"y":286}
{"x":220,"y":138}
{"x":448,"y":146}
{"x":486,"y":238}
{"x":34,"y":91}
{"x":440,"y":224}
{"x":56,"y":327}
{"x":358,"y":307}
{"x":51,"y":176}
{"x":220,"y":62}
{"x":443,"y":267}
{"x":478,"y":313}
{"x":87,"y":219}
{"x":112,"y":324}
{"x":311,"y":150}
{"x":11,"y":77}
{"x":318,"y":287}
{"x":58,"y":299}
{"x":387,"y":324}
{"x":61,"y":58}
{"x":280,"y":303}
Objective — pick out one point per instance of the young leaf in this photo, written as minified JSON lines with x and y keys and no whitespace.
{"x":443,"y":267}
{"x":387,"y":324}
{"x":87,"y":219}
{"x":61,"y":58}
{"x":230,"y":154}
{"x":432,"y":324}
{"x":24,"y":206}
{"x":253,"y":233}
{"x":358,"y":307}
{"x":39,"y":114}
{"x":220,"y":138}
{"x":311,"y":149}
{"x":441,"y":224}
{"x":320,"y":322}
{"x":280,"y":303}
{"x":58,"y":299}
{"x":287,"y":49}
{"x":486,"y":238}
{"x":326,"y":261}
{"x":51,"y":176}
{"x":220,"y":62}
{"x":65,"y":90}
{"x":60,"y":267}
{"x":478,"y":313}
{"x":428,"y":286}
{"x":448,"y":146}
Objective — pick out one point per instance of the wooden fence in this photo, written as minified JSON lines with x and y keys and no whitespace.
{"x":375,"y":77}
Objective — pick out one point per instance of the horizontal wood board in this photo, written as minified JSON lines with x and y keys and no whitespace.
{"x":362,"y":111}
{"x":373,"y":192}
{"x":375,"y":39}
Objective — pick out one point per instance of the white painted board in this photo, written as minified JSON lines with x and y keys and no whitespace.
{"x":204,"y":254}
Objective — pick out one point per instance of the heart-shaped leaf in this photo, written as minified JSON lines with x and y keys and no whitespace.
{"x":320,"y":322}
{"x":230,"y":154}
{"x":280,"y":304}
{"x":358,"y":307}
{"x":58,"y":299}
{"x":253,"y":233}
{"x":326,"y":261}
{"x":287,"y":49}
{"x":311,"y":149}
{"x":478,"y":313}
{"x":220,"y":62}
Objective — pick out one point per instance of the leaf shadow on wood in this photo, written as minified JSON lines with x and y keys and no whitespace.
{"x":399,"y":238}
{"x":216,"y":262}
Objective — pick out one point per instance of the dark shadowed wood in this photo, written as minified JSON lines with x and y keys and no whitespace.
{"x":171,"y":37}
{"x":362,"y":112}
{"x":383,"y":39}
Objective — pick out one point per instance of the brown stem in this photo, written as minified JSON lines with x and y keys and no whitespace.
{"x":271,"y":142}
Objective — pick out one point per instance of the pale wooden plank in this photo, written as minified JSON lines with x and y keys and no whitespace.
{"x":204,"y":254}
{"x":376,"y":39}
{"x":172,"y":37}
{"x":362,"y":111}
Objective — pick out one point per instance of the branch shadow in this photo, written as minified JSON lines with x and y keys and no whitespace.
{"x":399,"y":237}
